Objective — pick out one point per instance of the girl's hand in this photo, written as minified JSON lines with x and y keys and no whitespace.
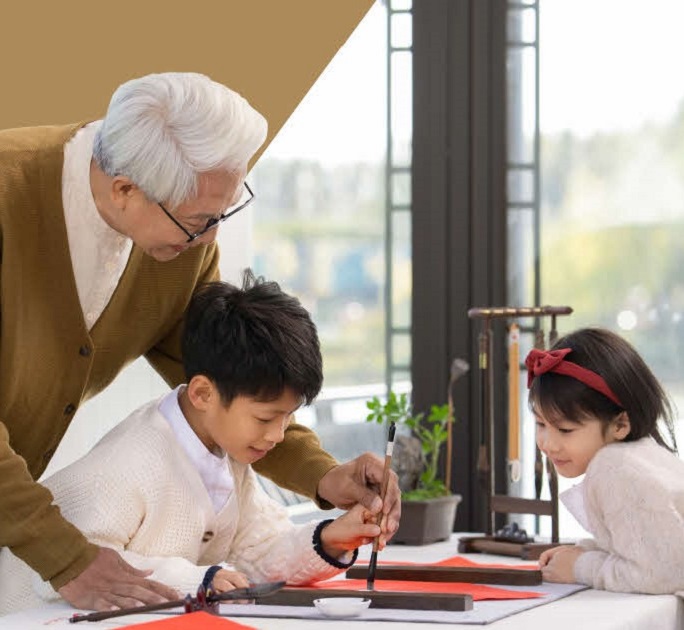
{"x":560,"y":566}
{"x":225,"y":580}
{"x":549,"y":553}
{"x":351,"y":530}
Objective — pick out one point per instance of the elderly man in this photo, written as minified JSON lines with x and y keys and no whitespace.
{"x":106,"y":229}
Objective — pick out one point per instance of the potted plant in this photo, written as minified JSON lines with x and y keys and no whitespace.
{"x":428,"y":508}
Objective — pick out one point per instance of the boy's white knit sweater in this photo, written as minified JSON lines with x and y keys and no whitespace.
{"x":633,"y":495}
{"x":137,"y":492}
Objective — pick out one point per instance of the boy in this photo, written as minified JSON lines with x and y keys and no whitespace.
{"x":171,"y":487}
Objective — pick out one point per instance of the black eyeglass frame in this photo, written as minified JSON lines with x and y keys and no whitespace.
{"x":213,"y":222}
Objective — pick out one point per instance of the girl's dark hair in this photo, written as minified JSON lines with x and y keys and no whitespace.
{"x":252,"y":341}
{"x":557,"y":396}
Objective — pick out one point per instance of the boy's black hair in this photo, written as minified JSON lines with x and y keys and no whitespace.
{"x":557,"y":396}
{"x":252,"y":341}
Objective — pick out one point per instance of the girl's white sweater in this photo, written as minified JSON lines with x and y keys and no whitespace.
{"x":633,"y":496}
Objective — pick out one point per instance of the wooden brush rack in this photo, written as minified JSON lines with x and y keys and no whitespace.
{"x":499,"y":503}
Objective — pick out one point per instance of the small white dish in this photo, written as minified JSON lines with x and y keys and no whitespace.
{"x":341,"y":607}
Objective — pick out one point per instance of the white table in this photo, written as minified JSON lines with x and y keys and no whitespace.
{"x":586,"y":610}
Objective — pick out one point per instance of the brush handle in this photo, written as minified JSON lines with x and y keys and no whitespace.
{"x":250,"y":592}
{"x":108,"y":614}
{"x":385,"y":479}
{"x":383,"y":493}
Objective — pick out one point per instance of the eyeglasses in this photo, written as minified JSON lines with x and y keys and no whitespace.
{"x":246,"y":198}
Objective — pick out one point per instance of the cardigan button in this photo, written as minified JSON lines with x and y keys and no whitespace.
{"x":69,"y":409}
{"x":84,"y":351}
{"x":207,"y":536}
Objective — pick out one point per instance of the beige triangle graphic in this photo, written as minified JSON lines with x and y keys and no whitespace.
{"x":61,"y":61}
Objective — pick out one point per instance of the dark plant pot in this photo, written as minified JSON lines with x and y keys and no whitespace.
{"x":427,"y":521}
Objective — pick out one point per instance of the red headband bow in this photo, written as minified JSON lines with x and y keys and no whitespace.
{"x":540,"y":361}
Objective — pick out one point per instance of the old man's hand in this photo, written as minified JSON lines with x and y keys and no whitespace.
{"x":359,"y":481}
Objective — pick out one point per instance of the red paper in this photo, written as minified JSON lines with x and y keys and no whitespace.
{"x":460,"y":561}
{"x":478,"y":591}
{"x":193,"y":621}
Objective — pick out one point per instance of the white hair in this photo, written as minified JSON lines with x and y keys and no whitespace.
{"x":163,"y":130}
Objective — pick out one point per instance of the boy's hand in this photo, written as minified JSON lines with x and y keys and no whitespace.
{"x":558,"y":564}
{"x":351,"y":530}
{"x":359,"y":481}
{"x":226,"y":580}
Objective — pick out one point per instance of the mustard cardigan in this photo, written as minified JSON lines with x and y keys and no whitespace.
{"x":50,"y":363}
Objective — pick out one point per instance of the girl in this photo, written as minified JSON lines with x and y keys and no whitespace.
{"x":597,"y":407}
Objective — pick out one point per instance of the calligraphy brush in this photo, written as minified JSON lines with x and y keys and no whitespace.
{"x":383,"y":491}
{"x":251,"y":592}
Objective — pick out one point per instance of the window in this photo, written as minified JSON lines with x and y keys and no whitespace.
{"x":610,"y":174}
{"x":333,"y":209}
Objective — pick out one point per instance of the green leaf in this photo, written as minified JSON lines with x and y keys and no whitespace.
{"x":430,"y":431}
